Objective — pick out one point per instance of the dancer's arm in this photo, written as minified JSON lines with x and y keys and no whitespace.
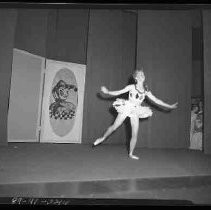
{"x":117,"y":92}
{"x":160,"y":102}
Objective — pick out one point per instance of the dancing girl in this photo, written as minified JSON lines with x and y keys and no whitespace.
{"x":132,"y":108}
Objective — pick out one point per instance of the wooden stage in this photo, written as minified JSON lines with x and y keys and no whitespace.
{"x":80,"y":171}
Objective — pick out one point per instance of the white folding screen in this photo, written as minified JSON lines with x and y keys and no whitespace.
{"x":24,"y":103}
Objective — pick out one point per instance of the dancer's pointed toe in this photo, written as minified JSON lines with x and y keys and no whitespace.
{"x":94,"y":145}
{"x":133,"y":157}
{"x":97,"y":142}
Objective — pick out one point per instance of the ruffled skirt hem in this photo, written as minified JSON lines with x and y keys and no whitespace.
{"x":131,"y":109}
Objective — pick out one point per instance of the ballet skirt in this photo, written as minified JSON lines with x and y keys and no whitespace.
{"x":133,"y":105}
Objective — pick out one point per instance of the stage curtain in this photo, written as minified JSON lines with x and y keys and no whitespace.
{"x":207,"y":80}
{"x":8,"y":19}
{"x":59,"y":34}
{"x":31,"y":31}
{"x":164,"y":50}
{"x":110,"y":62}
{"x":197,"y":63}
{"x":67,"y":35}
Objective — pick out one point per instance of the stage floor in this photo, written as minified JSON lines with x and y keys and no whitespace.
{"x":34,"y":162}
{"x":35,"y":169}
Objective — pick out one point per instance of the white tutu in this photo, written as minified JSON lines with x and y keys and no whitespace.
{"x":131,"y":109}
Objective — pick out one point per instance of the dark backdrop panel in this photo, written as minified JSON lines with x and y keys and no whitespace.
{"x":164,"y":50}
{"x":31,"y":31}
{"x":7,"y":33}
{"x":110,"y":62}
{"x":67,"y":35}
{"x":207,"y":80}
{"x":197,"y":67}
{"x":197,"y":78}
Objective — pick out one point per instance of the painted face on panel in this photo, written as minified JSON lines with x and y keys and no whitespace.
{"x":63,"y":102}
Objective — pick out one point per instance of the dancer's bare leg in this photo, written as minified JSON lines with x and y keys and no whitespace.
{"x":118,"y":121}
{"x":135,"y":126}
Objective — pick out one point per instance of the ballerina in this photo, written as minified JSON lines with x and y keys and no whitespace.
{"x":132,"y":108}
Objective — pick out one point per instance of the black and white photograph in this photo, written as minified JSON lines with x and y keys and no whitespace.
{"x":105,"y":104}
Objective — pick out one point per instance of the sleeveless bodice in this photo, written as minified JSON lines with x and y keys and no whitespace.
{"x":136,"y":96}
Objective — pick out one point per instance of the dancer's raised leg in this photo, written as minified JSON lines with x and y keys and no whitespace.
{"x":135,"y":127}
{"x":118,"y":121}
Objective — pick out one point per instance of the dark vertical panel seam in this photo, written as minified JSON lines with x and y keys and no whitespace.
{"x":56,"y":33}
{"x":10,"y":79}
{"x":87,"y":36}
{"x":202,"y":67}
{"x":11,"y":65}
{"x":46,"y":33}
{"x":136,"y":39}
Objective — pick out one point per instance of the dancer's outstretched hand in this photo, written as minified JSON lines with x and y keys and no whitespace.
{"x":104,"y":90}
{"x":174,"y":106}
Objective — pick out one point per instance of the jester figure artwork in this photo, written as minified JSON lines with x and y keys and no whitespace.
{"x":132,"y":108}
{"x":61,"y":108}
